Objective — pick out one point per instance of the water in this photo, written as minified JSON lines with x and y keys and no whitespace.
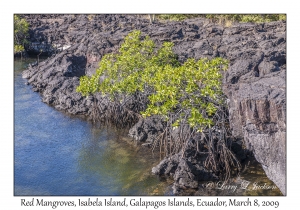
{"x":58,"y":155}
{"x":55,"y":154}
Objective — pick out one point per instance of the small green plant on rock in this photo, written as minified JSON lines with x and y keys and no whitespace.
{"x":177,"y":17}
{"x":226,"y":19}
{"x":21,"y":28}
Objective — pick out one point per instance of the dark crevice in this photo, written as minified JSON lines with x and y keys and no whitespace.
{"x":234,"y":80}
{"x":256,"y":71}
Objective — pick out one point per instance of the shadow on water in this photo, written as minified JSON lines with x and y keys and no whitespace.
{"x":59,"y":155}
{"x":251,"y":182}
{"x":55,"y":154}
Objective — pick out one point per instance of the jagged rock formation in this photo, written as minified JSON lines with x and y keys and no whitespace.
{"x":254,"y":83}
{"x":186,"y":171}
{"x":256,"y":87}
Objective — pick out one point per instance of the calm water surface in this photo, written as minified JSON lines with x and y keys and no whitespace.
{"x":58,"y":155}
{"x":55,"y":154}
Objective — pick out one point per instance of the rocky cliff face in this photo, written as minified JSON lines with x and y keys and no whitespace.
{"x":256,"y":87}
{"x":254,"y":83}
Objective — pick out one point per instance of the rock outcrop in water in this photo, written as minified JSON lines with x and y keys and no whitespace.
{"x":254,"y":83}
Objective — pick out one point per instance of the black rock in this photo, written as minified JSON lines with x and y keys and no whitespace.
{"x":255,"y":82}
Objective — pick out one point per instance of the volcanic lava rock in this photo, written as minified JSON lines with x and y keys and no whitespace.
{"x":254,"y":83}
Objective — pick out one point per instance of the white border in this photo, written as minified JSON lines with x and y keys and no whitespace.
{"x":8,"y":8}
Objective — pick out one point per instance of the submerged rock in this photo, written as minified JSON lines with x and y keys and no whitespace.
{"x":187,"y":170}
{"x":254,"y":83}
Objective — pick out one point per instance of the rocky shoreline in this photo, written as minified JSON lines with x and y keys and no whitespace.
{"x":255,"y":82}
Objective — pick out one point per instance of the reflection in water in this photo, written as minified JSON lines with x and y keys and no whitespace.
{"x":118,"y":164}
{"x":259,"y":184}
{"x":58,"y":155}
